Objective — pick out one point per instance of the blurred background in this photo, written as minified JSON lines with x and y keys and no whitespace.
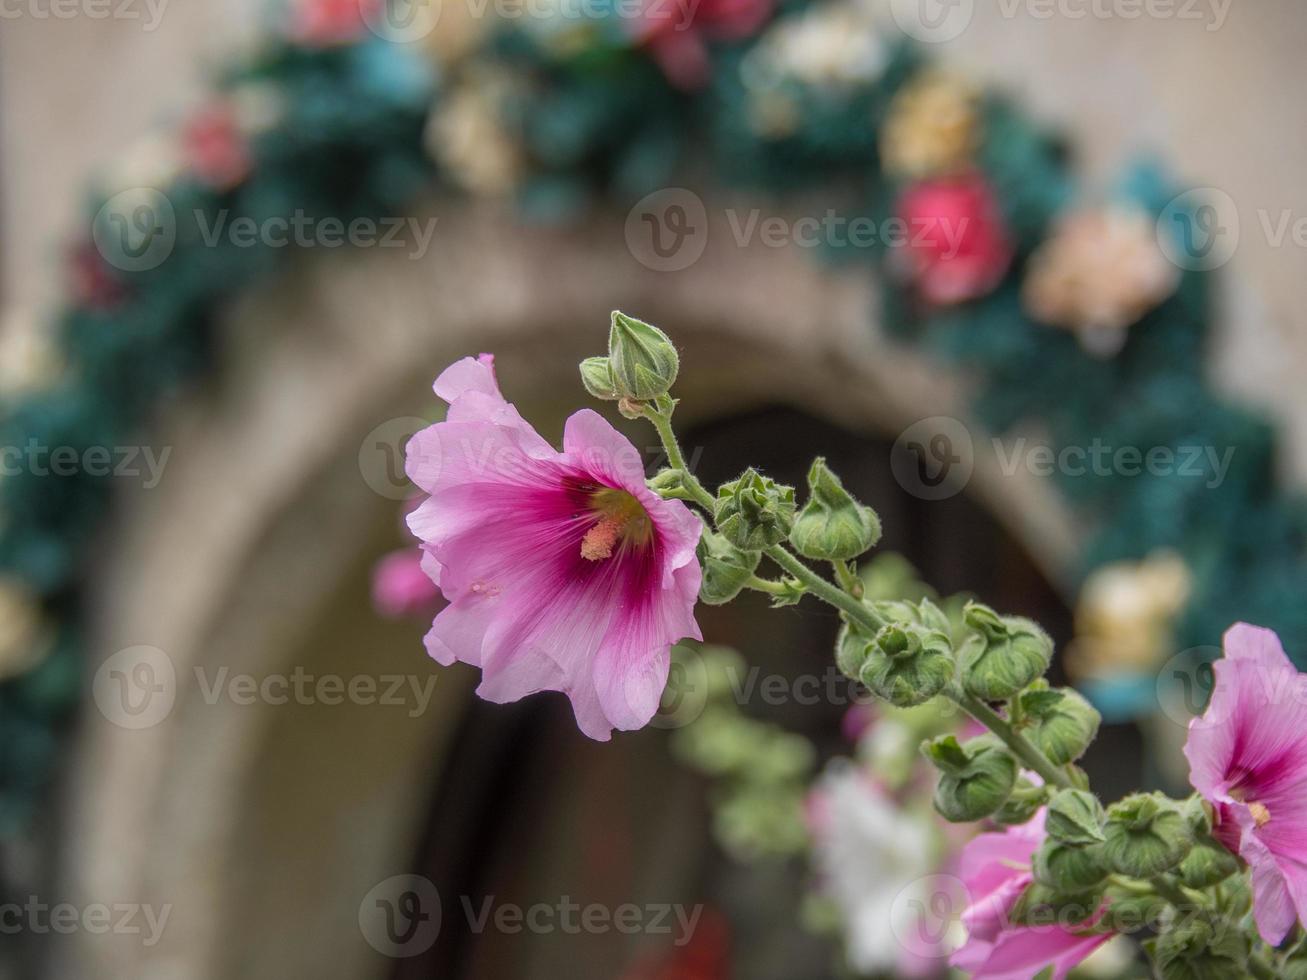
{"x":381,"y":834}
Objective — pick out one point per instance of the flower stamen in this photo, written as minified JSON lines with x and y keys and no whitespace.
{"x":601,"y":539}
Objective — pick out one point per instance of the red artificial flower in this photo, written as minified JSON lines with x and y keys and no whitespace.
{"x":956,"y":245}
{"x":215,"y":148}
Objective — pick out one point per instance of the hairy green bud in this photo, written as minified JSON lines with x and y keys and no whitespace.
{"x":908,"y":665}
{"x":642,"y":359}
{"x":597,"y":376}
{"x":1022,"y":805}
{"x":1075,"y":817}
{"x":1198,"y":948}
{"x":1207,"y":864}
{"x":1040,"y":906}
{"x":1061,"y":722}
{"x":1069,"y":868}
{"x":1146,"y":834}
{"x":852,"y":648}
{"x":832,"y":526}
{"x":976,"y":778}
{"x":1003,"y":655}
{"x":725,"y":568}
{"x":754,"y":512}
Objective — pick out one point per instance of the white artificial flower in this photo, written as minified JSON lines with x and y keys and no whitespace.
{"x":869,"y":852}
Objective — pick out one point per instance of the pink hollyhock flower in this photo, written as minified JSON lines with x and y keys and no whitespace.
{"x":325,"y":23}
{"x":400,"y":587}
{"x":995,"y":869}
{"x":957,"y":246}
{"x":215,"y":149}
{"x":1248,"y":758}
{"x":563,"y":571}
{"x":677,"y":34}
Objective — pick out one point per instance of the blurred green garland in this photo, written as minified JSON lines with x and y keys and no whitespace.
{"x":588,"y":115}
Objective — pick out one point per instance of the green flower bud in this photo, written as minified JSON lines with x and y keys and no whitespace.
{"x":1207,"y":864}
{"x":1146,"y":834}
{"x":1069,"y":868}
{"x":1197,"y":948}
{"x":725,"y":569}
{"x":832,"y":525}
{"x":851,"y":650}
{"x":1022,"y":805}
{"x":754,"y":512}
{"x":975,"y":779}
{"x":597,"y":376}
{"x":1004,"y":654}
{"x":908,"y":665}
{"x":1062,"y":723}
{"x":1040,"y":906}
{"x":1129,"y":912}
{"x":642,"y":359}
{"x":1075,"y":817}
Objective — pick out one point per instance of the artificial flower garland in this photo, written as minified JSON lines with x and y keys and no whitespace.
{"x":329,"y":117}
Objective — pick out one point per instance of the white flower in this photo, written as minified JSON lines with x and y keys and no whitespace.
{"x":868,"y":852}
{"x":830,"y":45}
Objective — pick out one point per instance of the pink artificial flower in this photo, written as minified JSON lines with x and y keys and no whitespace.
{"x":400,"y":587}
{"x":327,"y":23}
{"x":677,"y":33}
{"x":563,"y":571}
{"x":1248,"y":758}
{"x":957,"y":246}
{"x":215,"y":148}
{"x":995,"y":869}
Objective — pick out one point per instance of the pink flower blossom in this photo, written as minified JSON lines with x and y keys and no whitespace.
{"x":326,"y":23}
{"x":958,"y":247}
{"x":401,"y":588}
{"x":1248,"y":757}
{"x":677,"y":35}
{"x":563,"y":571}
{"x":995,"y":869}
{"x":215,"y":149}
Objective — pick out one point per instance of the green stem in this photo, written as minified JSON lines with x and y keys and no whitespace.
{"x":824,"y":590}
{"x":1021,"y":747}
{"x":662,"y":421}
{"x":765,"y":585}
{"x":849,"y":582}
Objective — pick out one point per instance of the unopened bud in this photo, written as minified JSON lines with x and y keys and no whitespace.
{"x":1146,"y":834}
{"x":1196,"y":948}
{"x":976,"y":778}
{"x":1075,"y":817}
{"x":1069,"y":868}
{"x":642,"y":359}
{"x":726,"y":569}
{"x":754,"y":512}
{"x":1062,"y":723}
{"x":597,"y":377}
{"x":908,"y":665}
{"x":832,"y":526}
{"x":1004,"y":654}
{"x":1207,"y":864}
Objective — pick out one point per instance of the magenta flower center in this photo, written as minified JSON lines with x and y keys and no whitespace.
{"x":620,"y":522}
